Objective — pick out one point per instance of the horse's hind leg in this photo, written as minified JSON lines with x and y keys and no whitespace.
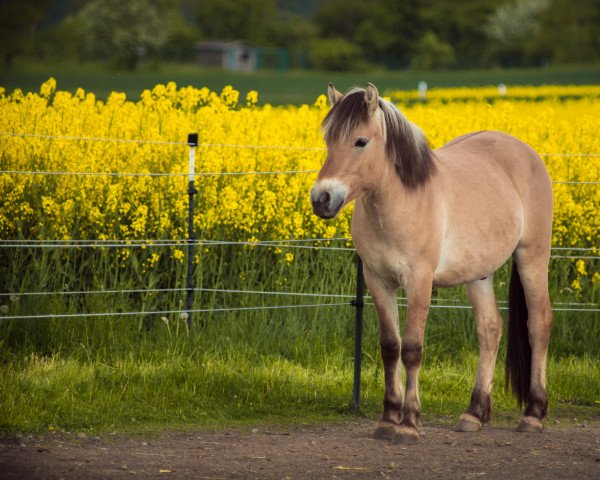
{"x":489,"y":331}
{"x":533,"y":274}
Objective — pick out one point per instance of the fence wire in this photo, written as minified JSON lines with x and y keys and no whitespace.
{"x":50,"y":244}
{"x":293,"y":243}
{"x":219,"y":145}
{"x":434,"y":301}
{"x":169,"y":312}
{"x":210,"y":174}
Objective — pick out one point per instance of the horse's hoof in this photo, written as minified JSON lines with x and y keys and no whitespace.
{"x":385,"y":431}
{"x":530,"y":424}
{"x":468,"y":423}
{"x":405,"y":435}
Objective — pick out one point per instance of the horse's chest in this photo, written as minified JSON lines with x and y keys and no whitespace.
{"x":390,"y":267}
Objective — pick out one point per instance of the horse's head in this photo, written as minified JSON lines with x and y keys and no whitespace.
{"x":355,"y":138}
{"x":363,"y":131}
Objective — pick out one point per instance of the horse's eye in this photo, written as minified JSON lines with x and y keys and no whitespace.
{"x":361,"y":143}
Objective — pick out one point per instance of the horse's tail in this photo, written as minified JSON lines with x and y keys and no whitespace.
{"x":518,"y":350}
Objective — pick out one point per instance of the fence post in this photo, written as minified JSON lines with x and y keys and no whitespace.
{"x":193,"y":143}
{"x":358,"y":330}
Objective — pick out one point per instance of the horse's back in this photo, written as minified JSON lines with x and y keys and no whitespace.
{"x":489,"y":157}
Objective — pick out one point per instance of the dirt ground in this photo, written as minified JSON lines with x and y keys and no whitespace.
{"x":339,"y":451}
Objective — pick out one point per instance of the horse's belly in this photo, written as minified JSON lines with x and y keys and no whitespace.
{"x":474,"y":253}
{"x":465,"y":271}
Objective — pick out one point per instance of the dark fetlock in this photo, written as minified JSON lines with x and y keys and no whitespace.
{"x":406,"y":434}
{"x":385,"y":430}
{"x":478,"y":413}
{"x":537,"y":409}
{"x":389,"y":420}
{"x":409,"y":429}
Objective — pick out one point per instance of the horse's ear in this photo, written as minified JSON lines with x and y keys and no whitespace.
{"x":333,"y":94}
{"x":372,"y":98}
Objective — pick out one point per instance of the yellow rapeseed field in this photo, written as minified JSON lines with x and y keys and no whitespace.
{"x":37,"y":131}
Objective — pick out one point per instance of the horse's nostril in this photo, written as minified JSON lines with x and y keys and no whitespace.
{"x":324,"y":199}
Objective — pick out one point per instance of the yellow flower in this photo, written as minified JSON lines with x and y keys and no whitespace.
{"x":48,"y":87}
{"x":178,"y":255}
{"x":251,"y":98}
{"x":553,"y":120}
{"x":321,"y":102}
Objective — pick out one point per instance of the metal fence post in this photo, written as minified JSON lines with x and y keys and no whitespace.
{"x":358,"y":330}
{"x":189,"y":300}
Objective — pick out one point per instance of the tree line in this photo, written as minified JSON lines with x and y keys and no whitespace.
{"x":329,"y":34}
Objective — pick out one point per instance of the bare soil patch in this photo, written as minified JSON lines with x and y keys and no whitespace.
{"x":332,"y":451}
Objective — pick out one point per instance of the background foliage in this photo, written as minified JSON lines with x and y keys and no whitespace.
{"x":391,"y":33}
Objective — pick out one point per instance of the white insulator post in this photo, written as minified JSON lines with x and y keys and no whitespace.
{"x":422,"y":87}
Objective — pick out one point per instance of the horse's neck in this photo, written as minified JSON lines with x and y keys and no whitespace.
{"x":390,"y":207}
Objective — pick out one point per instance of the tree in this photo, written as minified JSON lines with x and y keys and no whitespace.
{"x":432,"y":53}
{"x":335,"y":54}
{"x":18,"y":19}
{"x":568,"y":31}
{"x":124,"y":31}
{"x":461,"y":25}
{"x":289,"y":30}
{"x":236,"y":19}
{"x":385,"y":30}
{"x":512,"y":29}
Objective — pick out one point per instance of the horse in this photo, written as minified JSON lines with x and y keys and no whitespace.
{"x":427,"y":219}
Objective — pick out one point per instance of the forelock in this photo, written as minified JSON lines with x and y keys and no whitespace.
{"x":349,"y":113}
{"x":405,"y":143}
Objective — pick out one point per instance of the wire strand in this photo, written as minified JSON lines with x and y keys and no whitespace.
{"x":266,"y":147}
{"x":90,"y":139}
{"x":569,"y":154}
{"x":158,"y":142}
{"x":209,"y":174}
{"x":237,"y":309}
{"x":466,"y":307}
{"x":150,"y":174}
{"x":181,"y":240}
{"x":182,"y":289}
{"x":218,"y":145}
{"x":173,"y":244}
{"x":184,"y":241}
{"x":93,"y":174}
{"x":168,"y":312}
{"x":244,"y":292}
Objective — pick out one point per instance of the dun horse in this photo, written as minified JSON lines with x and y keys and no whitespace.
{"x":428,"y":218}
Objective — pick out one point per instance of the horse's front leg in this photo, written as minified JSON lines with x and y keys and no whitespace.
{"x":389,"y":337}
{"x":418,"y":291}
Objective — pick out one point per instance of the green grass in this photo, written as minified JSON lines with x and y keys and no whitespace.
{"x":136,"y":374}
{"x":142,"y":391}
{"x":292,"y":87}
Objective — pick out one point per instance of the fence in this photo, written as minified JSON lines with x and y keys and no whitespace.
{"x":357,"y":300}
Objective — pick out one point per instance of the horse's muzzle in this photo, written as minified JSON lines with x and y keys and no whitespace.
{"x":327,"y":200}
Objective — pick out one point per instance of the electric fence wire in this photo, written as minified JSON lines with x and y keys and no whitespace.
{"x":183,"y":242}
{"x":216,"y":145}
{"x":15,"y":296}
